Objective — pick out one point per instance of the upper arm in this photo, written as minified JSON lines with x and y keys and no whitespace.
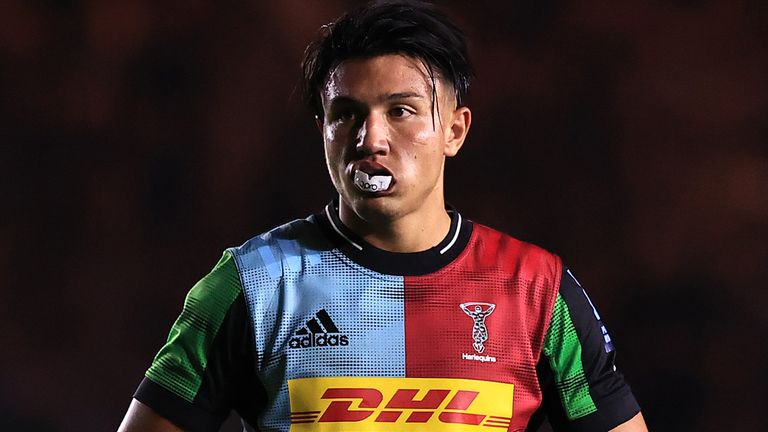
{"x":141,"y":418}
{"x":635,"y":424}
{"x":583,"y":390}
{"x":207,"y":366}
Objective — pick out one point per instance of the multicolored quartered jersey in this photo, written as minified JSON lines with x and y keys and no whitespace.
{"x":309,"y":328}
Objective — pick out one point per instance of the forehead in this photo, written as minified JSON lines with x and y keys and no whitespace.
{"x":378,"y":76}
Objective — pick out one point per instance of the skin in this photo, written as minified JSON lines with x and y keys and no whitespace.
{"x":141,"y":418}
{"x":635,"y":424}
{"x":368,"y":117}
{"x":379,"y":111}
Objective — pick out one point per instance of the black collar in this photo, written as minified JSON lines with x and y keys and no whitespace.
{"x":393,"y":263}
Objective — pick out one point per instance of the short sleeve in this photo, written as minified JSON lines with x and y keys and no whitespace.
{"x":207,"y":366}
{"x":583,"y":390}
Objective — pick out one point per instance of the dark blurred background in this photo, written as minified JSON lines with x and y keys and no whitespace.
{"x":139,"y":138}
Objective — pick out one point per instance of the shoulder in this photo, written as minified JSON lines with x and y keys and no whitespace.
{"x":501,"y":249}
{"x":303,"y":231}
{"x":289,"y":241}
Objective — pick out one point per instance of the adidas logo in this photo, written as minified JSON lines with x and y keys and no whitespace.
{"x":320,"y":331}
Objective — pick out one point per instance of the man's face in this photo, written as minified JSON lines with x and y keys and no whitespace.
{"x":379,"y":120}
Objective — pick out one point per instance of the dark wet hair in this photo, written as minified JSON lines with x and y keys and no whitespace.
{"x":413,"y":28}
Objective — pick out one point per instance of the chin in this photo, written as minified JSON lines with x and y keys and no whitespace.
{"x":372,"y":208}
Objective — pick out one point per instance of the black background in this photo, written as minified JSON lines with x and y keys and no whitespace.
{"x":140,"y":138}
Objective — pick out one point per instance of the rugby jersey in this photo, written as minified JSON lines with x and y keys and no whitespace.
{"x":309,"y":328}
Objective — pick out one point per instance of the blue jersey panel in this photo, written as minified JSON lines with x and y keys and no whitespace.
{"x":315,"y":313}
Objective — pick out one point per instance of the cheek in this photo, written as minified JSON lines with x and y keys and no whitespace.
{"x":422,"y":137}
{"x":427,"y":146}
{"x":425,"y":139}
{"x":423,"y":160}
{"x":330,"y":133}
{"x":426,"y":155}
{"x":331,"y":142}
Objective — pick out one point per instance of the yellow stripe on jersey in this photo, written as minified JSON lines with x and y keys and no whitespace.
{"x":372,"y":404}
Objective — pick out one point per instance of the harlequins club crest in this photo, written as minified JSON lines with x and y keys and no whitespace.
{"x":320,"y":331}
{"x":478,"y":312}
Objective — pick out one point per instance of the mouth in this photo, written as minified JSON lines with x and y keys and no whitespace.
{"x":371,"y":177}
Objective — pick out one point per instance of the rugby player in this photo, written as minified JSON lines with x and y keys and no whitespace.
{"x":387,"y":310}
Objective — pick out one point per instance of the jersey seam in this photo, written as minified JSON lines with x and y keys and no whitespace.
{"x":156,"y":377}
{"x":558,"y":277}
{"x":248,"y":315}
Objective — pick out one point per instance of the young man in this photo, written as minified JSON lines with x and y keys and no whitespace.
{"x":386,"y":311}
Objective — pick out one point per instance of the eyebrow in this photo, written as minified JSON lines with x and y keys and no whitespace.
{"x":404,"y":95}
{"x":343,"y":99}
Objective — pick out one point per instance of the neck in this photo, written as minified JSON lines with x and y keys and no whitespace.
{"x":413,"y":232}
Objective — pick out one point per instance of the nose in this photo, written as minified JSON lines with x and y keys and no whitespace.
{"x":373,"y":136}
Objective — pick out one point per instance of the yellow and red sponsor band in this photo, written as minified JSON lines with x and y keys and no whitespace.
{"x":411,"y":404}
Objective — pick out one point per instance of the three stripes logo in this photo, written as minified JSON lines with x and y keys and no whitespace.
{"x":320,"y":331}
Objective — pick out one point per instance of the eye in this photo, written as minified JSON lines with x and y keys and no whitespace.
{"x":400,"y":112}
{"x":344,"y":115}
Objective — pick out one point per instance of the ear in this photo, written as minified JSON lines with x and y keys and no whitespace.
{"x":457,"y":130}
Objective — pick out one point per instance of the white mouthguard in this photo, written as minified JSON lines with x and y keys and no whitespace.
{"x":368,"y":183}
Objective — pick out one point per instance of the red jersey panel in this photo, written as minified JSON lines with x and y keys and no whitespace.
{"x":484,"y":317}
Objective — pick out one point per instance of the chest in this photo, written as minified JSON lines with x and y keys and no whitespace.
{"x":352,"y":346}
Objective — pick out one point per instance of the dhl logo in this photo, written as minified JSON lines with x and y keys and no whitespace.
{"x":408,"y":404}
